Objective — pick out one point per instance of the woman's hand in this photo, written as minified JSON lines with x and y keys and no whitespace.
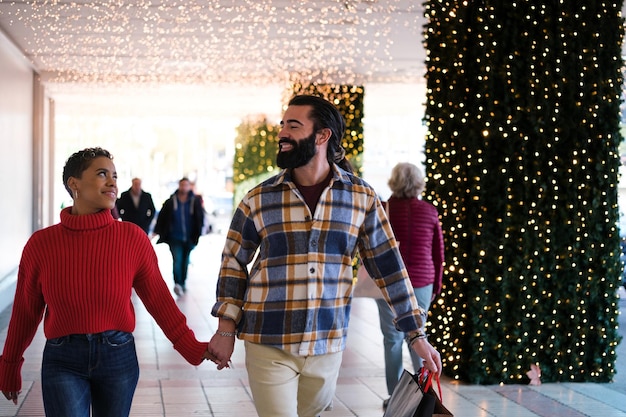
{"x":11,"y":396}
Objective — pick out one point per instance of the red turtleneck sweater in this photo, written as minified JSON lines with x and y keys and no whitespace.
{"x":81,"y":273}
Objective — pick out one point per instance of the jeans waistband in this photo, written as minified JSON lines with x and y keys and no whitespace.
{"x":94,"y":336}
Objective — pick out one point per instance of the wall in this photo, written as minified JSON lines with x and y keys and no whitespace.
{"x":16,"y":155}
{"x":393,"y":131}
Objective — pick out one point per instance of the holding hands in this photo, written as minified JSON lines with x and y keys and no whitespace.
{"x":11,"y":396}
{"x":222,"y":344}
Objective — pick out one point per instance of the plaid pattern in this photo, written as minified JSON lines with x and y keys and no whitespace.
{"x":297,"y":293}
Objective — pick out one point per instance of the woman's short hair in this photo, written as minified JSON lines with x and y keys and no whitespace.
{"x":407,"y":181}
{"x":80,"y":161}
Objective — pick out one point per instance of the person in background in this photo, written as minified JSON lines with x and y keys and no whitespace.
{"x":136,"y":206}
{"x":302,"y":229}
{"x":179,"y":224}
{"x":78,"y":276}
{"x":417,"y":229}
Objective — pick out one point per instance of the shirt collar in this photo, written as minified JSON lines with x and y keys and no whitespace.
{"x":339,"y":174}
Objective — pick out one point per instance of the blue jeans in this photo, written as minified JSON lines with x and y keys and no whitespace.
{"x":393,"y":339}
{"x":89,"y":370}
{"x":180,"y":260}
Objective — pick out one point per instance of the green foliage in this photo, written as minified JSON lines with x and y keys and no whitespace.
{"x":256,"y":147}
{"x":522,"y":162}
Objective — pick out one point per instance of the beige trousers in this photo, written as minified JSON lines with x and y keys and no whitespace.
{"x":286,"y":385}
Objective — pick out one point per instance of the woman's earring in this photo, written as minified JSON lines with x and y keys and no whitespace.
{"x":75,"y":194}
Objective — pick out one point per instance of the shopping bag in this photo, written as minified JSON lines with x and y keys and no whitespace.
{"x":431,"y":404}
{"x":406,"y":398}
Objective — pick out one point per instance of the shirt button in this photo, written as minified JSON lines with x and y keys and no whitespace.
{"x":314,"y":243}
{"x":311,"y":270}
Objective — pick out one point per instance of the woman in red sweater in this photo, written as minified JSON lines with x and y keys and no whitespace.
{"x":416,"y":225}
{"x":78,"y":276}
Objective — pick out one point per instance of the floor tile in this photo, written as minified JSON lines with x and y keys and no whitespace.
{"x":170,"y":387}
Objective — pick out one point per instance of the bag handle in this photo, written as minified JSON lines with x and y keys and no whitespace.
{"x":425,"y":380}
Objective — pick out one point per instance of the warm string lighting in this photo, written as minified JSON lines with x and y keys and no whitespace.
{"x":522,"y":162}
{"x":175,"y":41}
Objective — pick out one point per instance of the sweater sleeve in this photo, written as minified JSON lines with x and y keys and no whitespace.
{"x":155,"y":295}
{"x":438,"y":254}
{"x":28,"y":309}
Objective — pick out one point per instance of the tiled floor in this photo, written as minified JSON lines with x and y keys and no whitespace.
{"x":170,"y":387}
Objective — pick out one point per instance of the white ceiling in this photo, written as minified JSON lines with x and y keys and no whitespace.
{"x":169,"y":48}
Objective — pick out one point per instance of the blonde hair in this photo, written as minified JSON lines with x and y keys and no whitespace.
{"x":407,"y":181}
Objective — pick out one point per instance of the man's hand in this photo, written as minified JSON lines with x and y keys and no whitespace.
{"x":221,"y":349}
{"x":222,"y":343}
{"x":432,"y":358}
{"x":210,"y":356}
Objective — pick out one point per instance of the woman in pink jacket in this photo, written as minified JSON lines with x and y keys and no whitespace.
{"x":416,"y":226}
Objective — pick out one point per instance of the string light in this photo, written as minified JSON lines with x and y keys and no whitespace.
{"x":523,"y":118}
{"x":199,"y":42}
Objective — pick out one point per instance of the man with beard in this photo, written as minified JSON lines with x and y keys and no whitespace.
{"x":302,"y":229}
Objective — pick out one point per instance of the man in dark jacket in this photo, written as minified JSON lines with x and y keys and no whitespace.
{"x":136,"y":206}
{"x":179,"y":224}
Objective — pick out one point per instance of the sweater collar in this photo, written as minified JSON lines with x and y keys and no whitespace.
{"x":94,"y":221}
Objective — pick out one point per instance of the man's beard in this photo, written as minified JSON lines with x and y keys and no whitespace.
{"x":300,"y":154}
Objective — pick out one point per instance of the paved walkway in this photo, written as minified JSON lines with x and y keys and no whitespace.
{"x":170,"y":387}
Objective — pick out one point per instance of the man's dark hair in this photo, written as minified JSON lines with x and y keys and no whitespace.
{"x":325,"y":115}
{"x":79,"y":162}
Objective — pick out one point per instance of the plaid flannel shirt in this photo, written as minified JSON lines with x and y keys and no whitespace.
{"x":298,"y":292}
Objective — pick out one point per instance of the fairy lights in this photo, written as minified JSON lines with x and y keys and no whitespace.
{"x":199,"y":42}
{"x":523,"y":118}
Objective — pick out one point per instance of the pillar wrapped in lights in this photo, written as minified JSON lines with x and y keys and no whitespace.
{"x":349,"y":101}
{"x":522,"y":162}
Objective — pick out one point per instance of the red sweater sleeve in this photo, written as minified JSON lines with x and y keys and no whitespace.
{"x":438,"y":255}
{"x":28,"y":308}
{"x":417,"y":229}
{"x":155,"y":295}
